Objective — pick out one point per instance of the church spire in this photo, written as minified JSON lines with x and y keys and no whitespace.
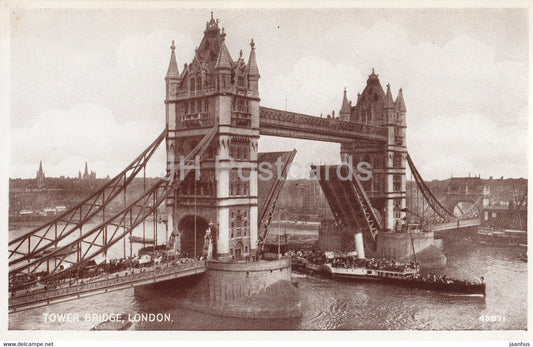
{"x":40,"y":175}
{"x":400,"y":104}
{"x":253,"y":70}
{"x":86,"y":173}
{"x":173,"y":65}
{"x":389,"y":101}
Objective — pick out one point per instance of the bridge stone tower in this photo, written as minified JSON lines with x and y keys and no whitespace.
{"x":387,"y":186}
{"x":214,"y":91}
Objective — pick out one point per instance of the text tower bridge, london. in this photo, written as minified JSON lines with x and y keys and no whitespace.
{"x":213,"y":113}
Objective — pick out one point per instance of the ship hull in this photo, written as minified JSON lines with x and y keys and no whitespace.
{"x":403,"y":280}
{"x":408,"y":279}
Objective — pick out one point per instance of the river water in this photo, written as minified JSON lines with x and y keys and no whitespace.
{"x":337,"y":305}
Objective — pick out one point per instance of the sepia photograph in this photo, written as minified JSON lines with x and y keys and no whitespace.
{"x":171,"y":167}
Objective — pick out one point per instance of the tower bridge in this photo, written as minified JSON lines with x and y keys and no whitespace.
{"x":213,"y":112}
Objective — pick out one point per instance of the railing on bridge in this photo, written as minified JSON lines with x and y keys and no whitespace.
{"x":455,"y":224}
{"x":289,"y":124}
{"x":106,"y":283}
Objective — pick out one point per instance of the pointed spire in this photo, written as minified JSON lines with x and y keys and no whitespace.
{"x":173,"y":65}
{"x":373,"y":77}
{"x":400,"y":104}
{"x":346,"y":108}
{"x":224,"y":60}
{"x":389,"y":101}
{"x":212,"y":25}
{"x":41,"y":166}
{"x":253,"y":70}
{"x":86,"y":169}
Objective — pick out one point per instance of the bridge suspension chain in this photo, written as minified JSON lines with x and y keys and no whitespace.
{"x":432,"y":201}
{"x":127,"y":219}
{"x":50,"y":234}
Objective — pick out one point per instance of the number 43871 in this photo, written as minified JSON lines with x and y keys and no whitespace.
{"x":492,"y":318}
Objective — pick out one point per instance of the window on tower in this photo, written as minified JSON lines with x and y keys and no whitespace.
{"x":397,"y":161}
{"x":397,"y":183}
{"x":241,"y":113}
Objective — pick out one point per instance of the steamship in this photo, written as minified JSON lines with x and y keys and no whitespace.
{"x":408,"y":277}
{"x":405,"y":275}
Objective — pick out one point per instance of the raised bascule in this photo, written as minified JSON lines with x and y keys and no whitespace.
{"x":219,"y":208}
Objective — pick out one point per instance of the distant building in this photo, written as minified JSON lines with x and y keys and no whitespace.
{"x":40,"y":176}
{"x":87,"y":175}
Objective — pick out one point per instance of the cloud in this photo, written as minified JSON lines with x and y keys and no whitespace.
{"x":313,"y":86}
{"x":466,"y":106}
{"x":468,"y":143}
{"x":466,"y":110}
{"x":65,"y":139}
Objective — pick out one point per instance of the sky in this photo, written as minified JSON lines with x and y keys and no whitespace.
{"x":88,"y":84}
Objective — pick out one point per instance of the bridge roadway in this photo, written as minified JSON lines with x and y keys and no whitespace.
{"x":24,"y":300}
{"x":456,"y":224}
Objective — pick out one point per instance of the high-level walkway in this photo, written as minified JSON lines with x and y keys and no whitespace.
{"x":281,"y":123}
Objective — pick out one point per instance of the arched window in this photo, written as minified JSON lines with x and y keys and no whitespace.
{"x":193,"y":85}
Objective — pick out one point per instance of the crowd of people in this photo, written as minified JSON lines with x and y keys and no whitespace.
{"x":374,"y":264}
{"x":350,"y":261}
{"x":91,"y":271}
{"x":448,"y":280}
{"x":314,"y":256}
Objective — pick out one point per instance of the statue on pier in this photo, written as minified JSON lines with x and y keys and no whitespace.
{"x":209,"y":242}
{"x":174,"y":241}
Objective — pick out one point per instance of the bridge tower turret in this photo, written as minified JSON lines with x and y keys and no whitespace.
{"x":215,"y":91}
{"x":172,"y":81}
{"x":346,"y":108}
{"x":387,"y":186}
{"x":401,"y":149}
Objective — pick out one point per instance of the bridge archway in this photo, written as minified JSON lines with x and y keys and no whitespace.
{"x":192,"y":229}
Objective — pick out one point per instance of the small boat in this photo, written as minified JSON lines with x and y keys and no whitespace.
{"x":500,"y":237}
{"x":312,"y":267}
{"x":64,"y":252}
{"x":137,"y":239}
